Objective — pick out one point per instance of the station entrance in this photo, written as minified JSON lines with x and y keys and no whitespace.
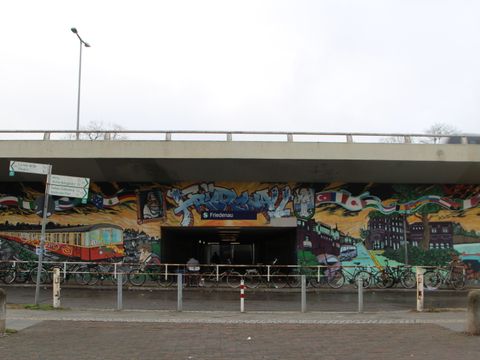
{"x":238,"y":245}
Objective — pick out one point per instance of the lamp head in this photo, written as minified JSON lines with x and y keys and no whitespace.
{"x":74,"y":30}
{"x":86,"y":44}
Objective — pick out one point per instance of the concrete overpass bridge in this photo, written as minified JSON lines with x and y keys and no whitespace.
{"x":253,"y":196}
{"x":172,"y":156}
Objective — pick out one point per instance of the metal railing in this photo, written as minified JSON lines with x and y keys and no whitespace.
{"x":229,"y":276}
{"x":229,"y":136}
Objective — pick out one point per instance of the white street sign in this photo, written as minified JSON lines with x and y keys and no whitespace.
{"x":75,"y":192}
{"x":32,"y":168}
{"x":71,"y":181}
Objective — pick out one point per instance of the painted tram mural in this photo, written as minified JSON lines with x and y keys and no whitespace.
{"x":343,"y":223}
{"x":84,"y":243}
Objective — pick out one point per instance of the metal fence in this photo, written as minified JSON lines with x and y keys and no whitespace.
{"x":229,"y":276}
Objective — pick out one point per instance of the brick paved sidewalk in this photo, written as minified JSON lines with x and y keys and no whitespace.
{"x":195,"y":341}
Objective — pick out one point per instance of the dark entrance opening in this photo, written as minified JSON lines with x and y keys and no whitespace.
{"x":242,"y":245}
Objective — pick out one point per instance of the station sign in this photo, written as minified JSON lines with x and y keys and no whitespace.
{"x":229,"y":215}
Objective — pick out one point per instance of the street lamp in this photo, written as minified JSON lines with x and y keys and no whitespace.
{"x":82,"y":43}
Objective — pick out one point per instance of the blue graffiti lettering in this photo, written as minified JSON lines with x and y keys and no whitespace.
{"x":208,"y":197}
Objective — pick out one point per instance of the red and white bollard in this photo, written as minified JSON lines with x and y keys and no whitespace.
{"x":242,"y":296}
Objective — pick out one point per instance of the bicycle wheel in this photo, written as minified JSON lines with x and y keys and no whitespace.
{"x":43,"y":276}
{"x":9,"y":276}
{"x":137,"y":277}
{"x":365,"y":276}
{"x":457,"y":281}
{"x":233,"y":279}
{"x":431,"y":279}
{"x":314,"y":281}
{"x":294,"y":280}
{"x":408,"y":279}
{"x":23,"y":273}
{"x":278,"y":280}
{"x":124,"y":278}
{"x":384,"y":280}
{"x":251,"y":279}
{"x":210,"y":279}
{"x":164,"y":281}
{"x":336,"y":279}
{"x":82,"y":275}
{"x":95,"y":275}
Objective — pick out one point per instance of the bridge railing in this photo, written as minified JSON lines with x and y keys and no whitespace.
{"x":237,"y":136}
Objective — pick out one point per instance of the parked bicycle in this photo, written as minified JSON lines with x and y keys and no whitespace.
{"x":312,"y":276}
{"x":156,"y":273}
{"x":104,"y":273}
{"x":255,"y":277}
{"x":228,"y":275}
{"x":452,"y":276}
{"x":352,"y":275}
{"x":7,"y":272}
{"x":389,"y":276}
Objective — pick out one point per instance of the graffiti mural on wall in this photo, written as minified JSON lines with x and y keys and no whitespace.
{"x":104,"y":229}
{"x":366,"y":223}
{"x":304,"y":202}
{"x":435,"y":222}
{"x":150,"y":205}
{"x":221,"y":201}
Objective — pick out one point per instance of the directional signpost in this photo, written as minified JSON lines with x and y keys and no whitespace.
{"x":68,"y":186}
{"x":31,"y":168}
{"x":44,"y":169}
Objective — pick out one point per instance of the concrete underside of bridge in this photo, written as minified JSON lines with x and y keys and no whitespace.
{"x":173,"y":161}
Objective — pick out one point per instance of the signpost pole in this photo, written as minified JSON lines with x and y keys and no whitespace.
{"x":42,"y":236}
{"x":405,"y":241}
{"x":69,"y":186}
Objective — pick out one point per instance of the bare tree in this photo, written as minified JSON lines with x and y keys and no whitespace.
{"x":439,"y":129}
{"x":435,"y":129}
{"x":98,"y":130}
{"x":393,"y":140}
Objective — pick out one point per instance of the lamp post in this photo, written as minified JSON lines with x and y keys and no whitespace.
{"x":82,"y":43}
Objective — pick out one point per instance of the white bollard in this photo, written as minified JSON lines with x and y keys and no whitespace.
{"x":360,"y":294}
{"x":473,"y":313}
{"x":420,"y":289}
{"x":242,"y":296}
{"x":56,"y":288}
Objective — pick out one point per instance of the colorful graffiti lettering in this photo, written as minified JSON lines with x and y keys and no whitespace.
{"x":207,"y":196}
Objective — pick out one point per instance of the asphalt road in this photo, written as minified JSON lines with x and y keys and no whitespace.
{"x":199,"y":299}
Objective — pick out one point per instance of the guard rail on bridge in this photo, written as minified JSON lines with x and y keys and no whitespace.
{"x":214,"y":135}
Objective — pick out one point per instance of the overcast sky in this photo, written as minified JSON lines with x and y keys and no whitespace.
{"x":369,"y":66}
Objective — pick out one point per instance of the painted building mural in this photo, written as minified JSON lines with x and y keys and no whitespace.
{"x":338,"y":222}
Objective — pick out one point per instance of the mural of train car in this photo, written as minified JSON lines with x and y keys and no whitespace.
{"x":87,"y":243}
